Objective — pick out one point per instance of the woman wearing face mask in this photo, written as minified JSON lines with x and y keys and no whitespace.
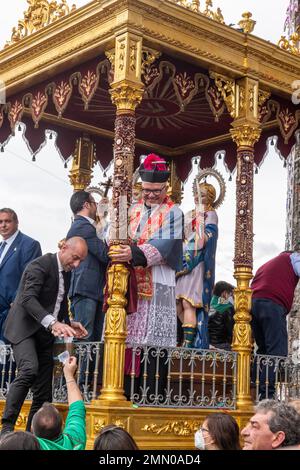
{"x":219,"y":431}
{"x":220,"y":316}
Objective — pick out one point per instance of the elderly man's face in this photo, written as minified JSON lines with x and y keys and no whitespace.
{"x":154,"y":193}
{"x":258,"y":436}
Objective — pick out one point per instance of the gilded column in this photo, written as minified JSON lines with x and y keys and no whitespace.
{"x":245,"y":133}
{"x":126,"y":93}
{"x":292,"y":236}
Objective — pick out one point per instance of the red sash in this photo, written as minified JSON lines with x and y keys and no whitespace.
{"x":153,"y":224}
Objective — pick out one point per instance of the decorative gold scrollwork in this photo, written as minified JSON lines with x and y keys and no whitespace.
{"x":39,"y":14}
{"x":194,"y":5}
{"x":291,"y":45}
{"x":245,"y":135}
{"x":226,"y":86}
{"x":178,"y":428}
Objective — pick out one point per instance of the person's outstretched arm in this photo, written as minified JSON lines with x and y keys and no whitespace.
{"x":75,"y":427}
{"x":70,"y":368}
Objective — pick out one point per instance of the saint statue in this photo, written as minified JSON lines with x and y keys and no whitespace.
{"x":195,"y":282}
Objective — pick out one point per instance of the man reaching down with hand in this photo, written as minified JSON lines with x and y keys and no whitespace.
{"x":39,"y":313}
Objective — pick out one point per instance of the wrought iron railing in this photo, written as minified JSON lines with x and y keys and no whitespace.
{"x":180,"y":377}
{"x":169,"y":377}
{"x":7,"y":369}
{"x":88,"y":377}
{"x":276,"y":377}
{"x":89,"y":372}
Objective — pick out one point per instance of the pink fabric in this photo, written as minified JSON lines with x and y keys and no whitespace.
{"x":152,"y":254}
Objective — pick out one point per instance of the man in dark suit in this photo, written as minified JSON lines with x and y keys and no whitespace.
{"x":16,"y":251}
{"x":39,"y":313}
{"x":87,"y":281}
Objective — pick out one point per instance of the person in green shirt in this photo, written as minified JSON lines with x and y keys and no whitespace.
{"x":47,"y":422}
{"x":220,"y":316}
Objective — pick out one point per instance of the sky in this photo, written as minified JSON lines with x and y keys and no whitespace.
{"x":40,"y":191}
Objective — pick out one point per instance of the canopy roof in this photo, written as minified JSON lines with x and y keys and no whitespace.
{"x":58,"y":78}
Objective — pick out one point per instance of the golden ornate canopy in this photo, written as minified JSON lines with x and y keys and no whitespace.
{"x":117,"y":78}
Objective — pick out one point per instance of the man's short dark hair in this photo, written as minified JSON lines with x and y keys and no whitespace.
{"x":10,"y":212}
{"x":19,"y":440}
{"x":78,"y":199}
{"x":222,"y":286}
{"x":47,"y":422}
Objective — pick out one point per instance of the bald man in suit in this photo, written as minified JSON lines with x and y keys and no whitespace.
{"x":40,"y":313}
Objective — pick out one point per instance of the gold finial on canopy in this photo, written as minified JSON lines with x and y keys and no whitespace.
{"x":247,"y":24}
{"x":40,"y":13}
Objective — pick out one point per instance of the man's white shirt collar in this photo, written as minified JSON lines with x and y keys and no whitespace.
{"x":91,"y":221}
{"x":60,"y":267}
{"x":11,"y":239}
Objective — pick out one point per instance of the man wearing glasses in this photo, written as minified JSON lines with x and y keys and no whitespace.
{"x":87,"y":282}
{"x":156,"y":227}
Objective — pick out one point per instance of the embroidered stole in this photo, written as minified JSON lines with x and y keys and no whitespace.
{"x":152,"y":225}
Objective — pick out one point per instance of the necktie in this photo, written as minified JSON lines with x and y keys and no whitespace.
{"x":2,"y":247}
{"x":66,"y":277}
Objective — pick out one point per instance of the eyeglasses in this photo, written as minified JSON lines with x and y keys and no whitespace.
{"x":156,"y":192}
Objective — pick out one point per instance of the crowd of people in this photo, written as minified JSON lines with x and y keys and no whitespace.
{"x":172,"y":273}
{"x":274,"y":426}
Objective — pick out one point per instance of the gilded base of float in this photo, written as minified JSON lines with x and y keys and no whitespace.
{"x":152,"y":428}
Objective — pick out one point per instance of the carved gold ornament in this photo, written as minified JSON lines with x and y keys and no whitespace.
{"x":22,"y":420}
{"x":98,"y":425}
{"x":227,"y":89}
{"x":126,"y":96}
{"x":291,"y":45}
{"x":263,"y":96}
{"x":247,"y":24}
{"x":178,"y":428}
{"x":246,"y":135}
{"x":194,"y":5}
{"x":149,"y":56}
{"x":120,"y":423}
{"x":40,"y":13}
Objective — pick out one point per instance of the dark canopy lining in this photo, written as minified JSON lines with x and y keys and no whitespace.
{"x":181,"y":106}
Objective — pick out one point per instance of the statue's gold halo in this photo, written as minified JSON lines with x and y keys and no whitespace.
{"x":214,"y":173}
